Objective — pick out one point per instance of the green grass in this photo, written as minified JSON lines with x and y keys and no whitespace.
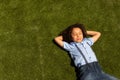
{"x":27,"y":28}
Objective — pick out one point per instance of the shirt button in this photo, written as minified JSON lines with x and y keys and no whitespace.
{"x":90,"y":58}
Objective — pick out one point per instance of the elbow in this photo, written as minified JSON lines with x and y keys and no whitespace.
{"x":55,"y":39}
{"x":99,"y":33}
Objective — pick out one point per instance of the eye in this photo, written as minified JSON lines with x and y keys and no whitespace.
{"x":80,"y":33}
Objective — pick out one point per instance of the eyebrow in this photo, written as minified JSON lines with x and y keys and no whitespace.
{"x":75,"y":32}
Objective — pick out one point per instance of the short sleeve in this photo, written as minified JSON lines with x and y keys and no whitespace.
{"x":67,"y":46}
{"x":89,"y":41}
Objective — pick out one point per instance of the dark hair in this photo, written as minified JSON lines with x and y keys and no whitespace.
{"x":67,"y":32}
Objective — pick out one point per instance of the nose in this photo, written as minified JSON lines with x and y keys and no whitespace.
{"x":78,"y":35}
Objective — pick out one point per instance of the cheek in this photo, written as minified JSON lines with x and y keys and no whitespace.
{"x":74,"y":37}
{"x":82,"y":36}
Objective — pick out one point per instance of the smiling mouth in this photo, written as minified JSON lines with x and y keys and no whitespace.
{"x":78,"y":39}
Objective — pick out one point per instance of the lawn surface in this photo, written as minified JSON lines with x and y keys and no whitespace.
{"x":27,"y":28}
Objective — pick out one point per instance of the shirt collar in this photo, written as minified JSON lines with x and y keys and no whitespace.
{"x":77,"y":43}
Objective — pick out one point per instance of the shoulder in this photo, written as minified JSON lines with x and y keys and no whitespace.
{"x":68,"y":46}
{"x":89,"y":41}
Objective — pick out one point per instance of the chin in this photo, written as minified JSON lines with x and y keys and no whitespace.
{"x":78,"y":41}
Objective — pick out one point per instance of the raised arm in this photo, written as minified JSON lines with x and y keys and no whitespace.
{"x":59,"y":40}
{"x":95,"y":35}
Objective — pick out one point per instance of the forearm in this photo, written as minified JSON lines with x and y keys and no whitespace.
{"x":93,"y":33}
{"x":59,"y":38}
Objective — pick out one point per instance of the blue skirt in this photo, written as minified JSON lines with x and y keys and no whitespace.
{"x":93,"y":71}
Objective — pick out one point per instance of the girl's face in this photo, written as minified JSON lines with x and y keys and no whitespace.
{"x":77,"y":35}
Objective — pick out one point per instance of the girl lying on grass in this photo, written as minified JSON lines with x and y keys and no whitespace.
{"x":75,"y":40}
